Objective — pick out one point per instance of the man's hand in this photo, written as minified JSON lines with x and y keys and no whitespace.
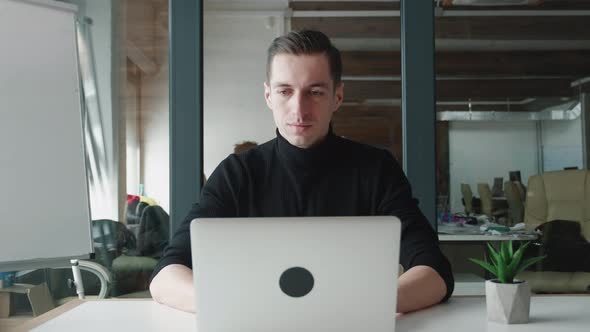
{"x":173,"y":286}
{"x":419,"y":287}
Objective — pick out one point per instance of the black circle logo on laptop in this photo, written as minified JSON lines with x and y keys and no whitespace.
{"x":296,"y":282}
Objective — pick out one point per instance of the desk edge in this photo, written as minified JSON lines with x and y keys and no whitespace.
{"x":53,"y":313}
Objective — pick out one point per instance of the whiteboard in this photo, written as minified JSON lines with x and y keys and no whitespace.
{"x":556,"y":158}
{"x":44,"y":208}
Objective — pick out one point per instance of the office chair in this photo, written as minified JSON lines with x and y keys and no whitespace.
{"x":467,"y":198}
{"x":132,"y":270}
{"x":515,"y":204}
{"x":497,"y":187}
{"x":154,"y":231}
{"x":559,"y":195}
{"x":488,"y":207}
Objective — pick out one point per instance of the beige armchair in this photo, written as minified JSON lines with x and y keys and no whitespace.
{"x":558,"y":195}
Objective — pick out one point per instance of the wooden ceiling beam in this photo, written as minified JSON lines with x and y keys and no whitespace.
{"x":463,"y":89}
{"x":394,"y":5}
{"x":450,"y":27}
{"x":563,"y":63}
{"x":540,"y":5}
{"x":393,"y":113}
{"x":343,"y":5}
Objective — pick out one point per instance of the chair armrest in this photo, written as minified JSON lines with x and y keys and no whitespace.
{"x":103,"y":274}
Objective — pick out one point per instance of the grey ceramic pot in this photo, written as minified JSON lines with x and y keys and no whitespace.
{"x":508,"y":303}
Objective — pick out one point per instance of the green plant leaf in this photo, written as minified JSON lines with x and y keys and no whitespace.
{"x":494,"y":255}
{"x":528,"y":263}
{"x":516,"y":259}
{"x":502,"y":273}
{"x":522,"y":248}
{"x":485,"y":265}
{"x":506,"y":263}
{"x":504,"y":252}
{"x":511,"y":268}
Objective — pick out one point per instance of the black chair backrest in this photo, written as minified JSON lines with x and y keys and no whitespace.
{"x":134,"y":212}
{"x":130,"y":212}
{"x":154,"y":231}
{"x":111,"y":239}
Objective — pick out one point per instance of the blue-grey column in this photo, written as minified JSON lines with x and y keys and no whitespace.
{"x":418,"y":102}
{"x":585,"y":114}
{"x":186,"y":106}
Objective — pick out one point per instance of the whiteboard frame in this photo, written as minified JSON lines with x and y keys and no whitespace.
{"x":52,"y":262}
{"x":52,"y":4}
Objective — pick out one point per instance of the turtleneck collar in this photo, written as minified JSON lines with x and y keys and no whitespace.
{"x":315,"y":156}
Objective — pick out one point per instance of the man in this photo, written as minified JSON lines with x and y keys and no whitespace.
{"x":308,"y":171}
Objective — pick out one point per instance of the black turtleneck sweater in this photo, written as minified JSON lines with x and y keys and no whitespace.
{"x":336,"y":177}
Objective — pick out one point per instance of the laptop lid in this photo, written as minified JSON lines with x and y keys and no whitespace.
{"x":296,"y":274}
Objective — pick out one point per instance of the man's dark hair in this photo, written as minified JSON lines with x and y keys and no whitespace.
{"x":306,"y":42}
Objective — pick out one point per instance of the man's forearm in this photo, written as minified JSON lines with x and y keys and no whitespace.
{"x":419,"y":287}
{"x":173,"y":286}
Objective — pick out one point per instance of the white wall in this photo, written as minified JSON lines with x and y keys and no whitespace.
{"x":480,"y":151}
{"x":155,"y":136}
{"x":234,"y":73}
{"x":562,"y":144}
{"x":146,"y":32}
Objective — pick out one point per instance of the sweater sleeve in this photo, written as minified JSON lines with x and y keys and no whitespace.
{"x":419,"y":242}
{"x":218,"y":200}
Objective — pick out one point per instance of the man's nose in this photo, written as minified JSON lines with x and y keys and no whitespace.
{"x":299,"y":105}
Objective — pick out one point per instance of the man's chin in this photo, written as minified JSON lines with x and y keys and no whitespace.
{"x":300,"y":141}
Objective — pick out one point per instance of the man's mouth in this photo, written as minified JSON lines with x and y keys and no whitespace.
{"x":300,"y":128}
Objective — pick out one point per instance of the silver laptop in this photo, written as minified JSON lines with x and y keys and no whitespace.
{"x":296,"y":274}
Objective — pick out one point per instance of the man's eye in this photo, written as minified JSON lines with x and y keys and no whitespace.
{"x":317,"y":93}
{"x":283,"y":92}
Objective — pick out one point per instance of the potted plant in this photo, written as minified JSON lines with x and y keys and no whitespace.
{"x":507,"y":299}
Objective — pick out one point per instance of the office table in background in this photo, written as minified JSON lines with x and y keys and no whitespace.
{"x":460,"y":314}
{"x":453,"y":233}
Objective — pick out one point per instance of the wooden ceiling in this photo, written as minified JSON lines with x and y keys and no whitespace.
{"x":480,"y":27}
{"x":572,"y":63}
{"x":447,"y":5}
{"x":463,"y":74}
{"x":506,"y":76}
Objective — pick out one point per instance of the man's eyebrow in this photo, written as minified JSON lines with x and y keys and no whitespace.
{"x":313,"y":85}
{"x":319,"y":85}
{"x":281,"y":85}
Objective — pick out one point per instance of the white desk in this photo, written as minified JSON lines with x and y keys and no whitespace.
{"x":110,"y":316}
{"x":468,"y":314}
{"x":469,"y":284}
{"x":461,"y":314}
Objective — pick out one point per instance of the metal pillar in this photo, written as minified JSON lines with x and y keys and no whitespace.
{"x":418,"y":102}
{"x":186,"y":106}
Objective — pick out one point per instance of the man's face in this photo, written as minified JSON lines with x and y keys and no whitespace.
{"x":301,"y":95}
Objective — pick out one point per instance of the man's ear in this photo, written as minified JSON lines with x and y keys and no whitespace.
{"x":338,"y":96}
{"x":267,"y":95}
